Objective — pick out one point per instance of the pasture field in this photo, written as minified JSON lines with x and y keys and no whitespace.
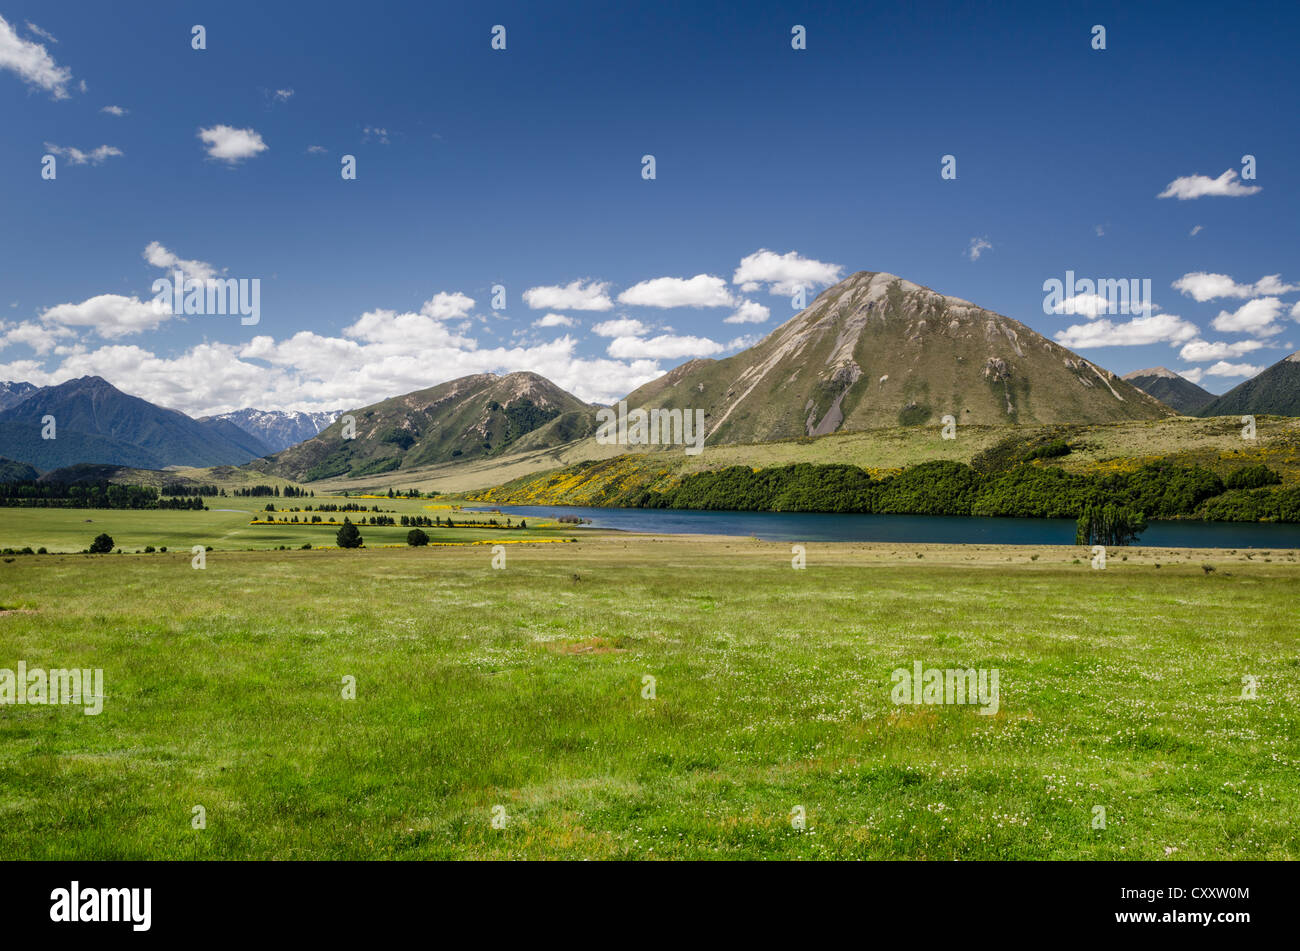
{"x":228,"y":525}
{"x":521,"y":694}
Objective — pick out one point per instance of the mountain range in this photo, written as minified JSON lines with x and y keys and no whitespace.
{"x":274,"y":429}
{"x":872,"y":351}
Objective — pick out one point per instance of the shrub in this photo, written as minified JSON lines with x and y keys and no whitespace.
{"x":102,"y":544}
{"x":1252,"y":477}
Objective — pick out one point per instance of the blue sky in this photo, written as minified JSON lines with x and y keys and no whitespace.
{"x":523,"y":167}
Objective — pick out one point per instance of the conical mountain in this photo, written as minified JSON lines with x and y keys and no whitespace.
{"x":1275,"y":392}
{"x":1171,"y":389}
{"x":876,"y":351}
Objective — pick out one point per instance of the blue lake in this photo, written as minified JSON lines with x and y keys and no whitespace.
{"x":934,"y":529}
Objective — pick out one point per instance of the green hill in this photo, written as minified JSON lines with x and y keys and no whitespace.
{"x":461,"y":420}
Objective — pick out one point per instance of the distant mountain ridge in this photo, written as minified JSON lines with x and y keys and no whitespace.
{"x":276,"y":429}
{"x":11,"y":394}
{"x":1274,"y":392}
{"x":1171,"y":389}
{"x":94,"y":422}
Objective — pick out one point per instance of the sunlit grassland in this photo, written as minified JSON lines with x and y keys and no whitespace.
{"x":523,"y":688}
{"x":227,"y":525}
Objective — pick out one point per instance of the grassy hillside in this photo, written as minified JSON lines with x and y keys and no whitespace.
{"x":1214,"y":444}
{"x":878,"y":351}
{"x":523,"y":689}
{"x":463,"y":419}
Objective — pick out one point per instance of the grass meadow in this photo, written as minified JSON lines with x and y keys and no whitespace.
{"x":229,"y":525}
{"x":519,"y":693}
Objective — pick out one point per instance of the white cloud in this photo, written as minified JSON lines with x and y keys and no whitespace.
{"x":32,"y":63}
{"x":555,"y":320}
{"x":1198,"y":186}
{"x":109,"y":315}
{"x":1085,"y":305}
{"x":282,"y":95}
{"x":977,"y":247}
{"x":783,"y":274}
{"x":78,"y":157}
{"x":1139,"y":331}
{"x":1295,"y":311}
{"x":577,"y":295}
{"x":43,"y":34}
{"x":160,"y":257}
{"x":749,"y":312}
{"x":40,"y":338}
{"x":1200,"y":351}
{"x":1194,"y":232}
{"x":371,"y":132}
{"x":662,"y":347}
{"x":623,"y":327}
{"x":447,"y":306}
{"x":1194,"y":374}
{"x":702,"y":290}
{"x":316,"y":150}
{"x":1202,"y":286}
{"x":232,"y":145}
{"x":1254,"y":317}
{"x":115,"y":110}
{"x":1233,"y":369}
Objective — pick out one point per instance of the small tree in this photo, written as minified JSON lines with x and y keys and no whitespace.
{"x":1109,"y":525}
{"x":348,"y":536}
{"x":102,"y":544}
{"x":415,"y":538}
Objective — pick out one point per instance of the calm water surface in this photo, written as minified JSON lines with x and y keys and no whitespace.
{"x":935,"y":529}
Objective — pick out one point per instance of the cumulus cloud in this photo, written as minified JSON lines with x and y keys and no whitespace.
{"x":576,"y":295}
{"x":1194,"y":374}
{"x":31,"y":62}
{"x":1194,"y":232}
{"x":662,"y":347}
{"x":1199,"y":186}
{"x":749,"y":312}
{"x":109,"y":315}
{"x":42,"y":339}
{"x":622,"y":327}
{"x":783,"y":274}
{"x":160,"y":257}
{"x":316,"y":150}
{"x":1140,"y":331}
{"x":1254,"y":317}
{"x":1202,"y":286}
{"x":702,"y":290}
{"x":115,"y":110}
{"x":1200,"y":351}
{"x":447,"y":306}
{"x":1083,"y":305}
{"x":78,"y":157}
{"x":977,"y":247}
{"x":228,"y":144}
{"x":1223,"y":368}
{"x":555,"y":320}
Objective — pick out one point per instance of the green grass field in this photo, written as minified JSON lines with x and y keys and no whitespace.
{"x":523,"y":688}
{"x":228,"y":525}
